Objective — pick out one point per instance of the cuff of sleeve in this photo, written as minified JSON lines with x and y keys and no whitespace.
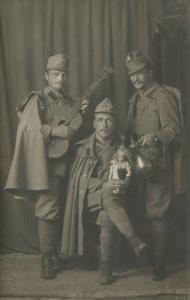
{"x":165,"y":140}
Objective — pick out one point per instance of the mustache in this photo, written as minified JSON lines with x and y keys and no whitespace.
{"x":138,"y":81}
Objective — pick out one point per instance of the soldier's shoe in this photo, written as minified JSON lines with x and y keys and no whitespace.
{"x":47,"y":271}
{"x":159,"y":268}
{"x":60,"y":264}
{"x":57,"y":263}
{"x":139,"y":247}
{"x":106,"y":273}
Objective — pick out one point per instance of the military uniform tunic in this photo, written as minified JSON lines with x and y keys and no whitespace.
{"x":48,"y":203}
{"x":156,"y":111}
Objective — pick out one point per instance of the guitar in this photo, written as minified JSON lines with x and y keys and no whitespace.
{"x":57,"y":147}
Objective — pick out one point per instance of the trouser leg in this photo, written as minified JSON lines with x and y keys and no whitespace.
{"x":117,"y":214}
{"x":119,"y":217}
{"x":106,"y":237}
{"x":106,"y":244}
{"x":91,"y":240}
{"x":159,"y":245}
{"x":48,"y":236}
{"x":159,"y":236}
{"x":47,"y":210}
{"x":47,"y":239}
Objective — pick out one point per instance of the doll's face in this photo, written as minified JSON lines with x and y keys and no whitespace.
{"x":121,"y":155}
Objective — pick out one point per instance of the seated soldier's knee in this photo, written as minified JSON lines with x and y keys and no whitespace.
{"x":109,"y":200}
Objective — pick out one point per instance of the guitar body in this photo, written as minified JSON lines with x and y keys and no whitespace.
{"x":72,"y":117}
{"x":59,"y":146}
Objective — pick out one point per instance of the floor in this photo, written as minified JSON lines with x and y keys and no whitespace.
{"x":20,"y":279}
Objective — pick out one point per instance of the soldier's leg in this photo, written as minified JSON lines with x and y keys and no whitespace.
{"x":47,"y":210}
{"x":158,"y":199}
{"x":90,"y":239}
{"x":159,"y":245}
{"x":119,"y":217}
{"x":106,"y":248}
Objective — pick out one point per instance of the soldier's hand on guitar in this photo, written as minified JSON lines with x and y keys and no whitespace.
{"x":84,"y":105}
{"x":62,"y":131}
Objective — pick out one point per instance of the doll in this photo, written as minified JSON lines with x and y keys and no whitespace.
{"x":121,"y":167}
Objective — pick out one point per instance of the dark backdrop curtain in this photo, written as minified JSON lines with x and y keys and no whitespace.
{"x":92,"y":33}
{"x":171,"y":57}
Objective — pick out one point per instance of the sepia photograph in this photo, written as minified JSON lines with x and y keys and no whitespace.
{"x":95,"y":149}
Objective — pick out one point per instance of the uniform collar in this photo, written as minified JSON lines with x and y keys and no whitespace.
{"x":53,"y":94}
{"x":147,"y":93}
{"x":89,"y":144}
{"x":150,"y":89}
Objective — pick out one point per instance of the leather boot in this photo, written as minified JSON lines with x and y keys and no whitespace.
{"x":139,"y":247}
{"x":60,"y":264}
{"x":159,"y":268}
{"x":106,"y":273}
{"x":47,"y":271}
{"x":57,"y":263}
{"x":159,"y":245}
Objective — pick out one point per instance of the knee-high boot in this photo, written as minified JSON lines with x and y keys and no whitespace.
{"x":48,"y":247}
{"x":106,"y":254}
{"x":159,"y":244}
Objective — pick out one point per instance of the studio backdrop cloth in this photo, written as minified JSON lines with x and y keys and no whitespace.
{"x":92,"y":33}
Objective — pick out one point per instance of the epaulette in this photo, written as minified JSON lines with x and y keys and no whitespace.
{"x":21,"y":105}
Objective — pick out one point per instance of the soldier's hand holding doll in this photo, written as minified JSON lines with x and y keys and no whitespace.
{"x":120,"y":171}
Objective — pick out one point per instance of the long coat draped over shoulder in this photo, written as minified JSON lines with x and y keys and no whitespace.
{"x":84,"y":164}
{"x":29,"y":168}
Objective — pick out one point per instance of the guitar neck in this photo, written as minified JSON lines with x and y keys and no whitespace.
{"x":102,"y":75}
{"x":91,"y":88}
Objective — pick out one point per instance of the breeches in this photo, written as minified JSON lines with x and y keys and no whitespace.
{"x":47,"y":206}
{"x":104,"y":220}
{"x":157,"y":192}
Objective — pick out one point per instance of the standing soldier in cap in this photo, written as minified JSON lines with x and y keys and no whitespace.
{"x":34,"y":173}
{"x":154,"y":121}
{"x":90,"y":198}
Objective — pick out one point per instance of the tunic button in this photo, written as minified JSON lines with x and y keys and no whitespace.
{"x":81,"y":192}
{"x":84,"y":175}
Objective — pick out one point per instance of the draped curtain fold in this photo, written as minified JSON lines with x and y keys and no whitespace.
{"x":92,"y":33}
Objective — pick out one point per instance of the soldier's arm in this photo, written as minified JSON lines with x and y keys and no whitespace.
{"x":171,"y":127}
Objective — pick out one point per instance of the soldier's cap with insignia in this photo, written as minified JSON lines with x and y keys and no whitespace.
{"x":58,"y":62}
{"x":105,"y":106}
{"x":136,"y":61}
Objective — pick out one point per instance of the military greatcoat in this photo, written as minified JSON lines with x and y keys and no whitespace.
{"x":33,"y":174}
{"x":87,"y":176}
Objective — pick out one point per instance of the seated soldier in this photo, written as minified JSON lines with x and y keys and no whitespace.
{"x":91,"y":195}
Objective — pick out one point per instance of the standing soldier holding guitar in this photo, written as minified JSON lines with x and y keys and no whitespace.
{"x":38,"y":167}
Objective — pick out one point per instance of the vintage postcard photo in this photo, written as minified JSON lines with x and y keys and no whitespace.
{"x":95,"y":149}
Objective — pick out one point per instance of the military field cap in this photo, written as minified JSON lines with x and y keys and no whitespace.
{"x":105,"y":106}
{"x":58,"y":62}
{"x":136,"y":61}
